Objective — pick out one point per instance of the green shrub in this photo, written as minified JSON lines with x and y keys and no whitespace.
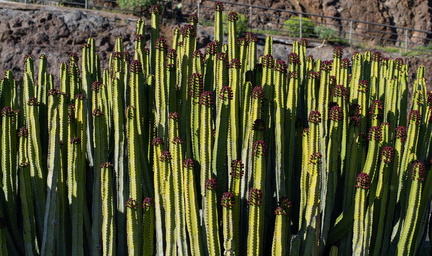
{"x":325,"y":33}
{"x":242,"y":23}
{"x":137,"y":5}
{"x":292,"y":25}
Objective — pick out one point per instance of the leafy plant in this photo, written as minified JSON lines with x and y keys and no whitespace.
{"x":292,"y":25}
{"x":325,"y":33}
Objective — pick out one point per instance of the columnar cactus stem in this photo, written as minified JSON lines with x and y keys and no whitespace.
{"x":418,"y":176}
{"x":255,"y":223}
{"x":155,"y":30}
{"x":108,"y":209}
{"x":158,"y":193}
{"x":363,"y":183}
{"x":161,"y":89}
{"x":218,"y":30}
{"x":26,"y":194}
{"x":211,"y":217}
{"x":280,"y":245}
{"x":234,"y":118}
{"x":228,"y":224}
{"x":233,"y":52}
{"x":134,"y":213}
{"x":190,"y":203}
{"x":148,"y":226}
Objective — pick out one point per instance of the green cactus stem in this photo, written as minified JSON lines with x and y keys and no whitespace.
{"x":108,"y":209}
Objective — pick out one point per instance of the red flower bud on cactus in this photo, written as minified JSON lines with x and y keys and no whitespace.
{"x":228,"y":200}
{"x":79,"y":96}
{"x":314,"y":75}
{"x":259,"y":148}
{"x":177,"y":140}
{"x":73,"y":57}
{"x":188,"y":163}
{"x":97,"y":112}
{"x":267,"y":61}
{"x":95,"y":86}
{"x":387,"y":154}
{"x":165,"y":156}
{"x":211,"y":184}
{"x":336,"y":114}
{"x":75,"y":141}
{"x":135,"y":66}
{"x":32,"y":102}
{"x":401,"y":133}
{"x":399,"y":62}
{"x":258,"y":93}
{"x":376,"y":56}
{"x":233,"y":16}
{"x":293,"y":74}
{"x":281,"y":66}
{"x":212,"y":48}
{"x":206,"y":99}
{"x":326,"y":65}
{"x":188,"y":31}
{"x":219,"y":7}
{"x":375,"y":133}
{"x":418,"y":171}
{"x":234,"y":63}
{"x":155,"y":9}
{"x":161,"y":44}
{"x":315,"y":158}
{"x":293,"y":58}
{"x":363,"y":181}
{"x":363,"y":86}
{"x":237,"y":169}
{"x":258,"y":125}
{"x":174,"y":116}
{"x":139,"y":38}
{"x":222,"y":56}
{"x":280,"y":211}
{"x":157,"y":141}
{"x":345,"y":63}
{"x":193,"y":18}
{"x":147,"y":203}
{"x":315,"y":117}
{"x":53,"y":92}
{"x":226,"y":93}
{"x":196,"y":84}
{"x":255,"y":197}
{"x":415,"y":117}
{"x":340,"y":91}
{"x":376,"y":109}
{"x":131,"y":204}
{"x":23,"y":132}
{"x":337,"y":52}
{"x":285,"y":203}
{"x":105,"y":165}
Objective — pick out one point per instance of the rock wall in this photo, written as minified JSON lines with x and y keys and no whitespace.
{"x":414,"y":14}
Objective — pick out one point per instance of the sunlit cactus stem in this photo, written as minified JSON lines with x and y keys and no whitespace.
{"x":148,"y":226}
{"x":108,"y":209}
{"x":228,"y":224}
{"x":155,"y":11}
{"x":218,"y":30}
{"x":362,"y":184}
{"x":191,"y":207}
{"x":280,"y":245}
{"x":211,"y":217}
{"x":418,"y":176}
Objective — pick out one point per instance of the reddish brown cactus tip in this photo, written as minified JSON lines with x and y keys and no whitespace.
{"x":157,"y":141}
{"x":53,"y":92}
{"x":345,"y":63}
{"x":259,"y":148}
{"x":401,"y":133}
{"x":235,"y":63}
{"x":340,"y":91}
{"x":177,"y":140}
{"x":79,"y":96}
{"x":387,"y":154}
{"x":228,"y":200}
{"x":7,"y":111}
{"x":188,"y":163}
{"x":326,"y":65}
{"x":165,"y":156}
{"x":96,"y":86}
{"x":23,"y":132}
{"x":255,"y":197}
{"x":267,"y":61}
{"x":280,"y":211}
{"x":237,"y":169}
{"x":193,"y":18}
{"x":305,"y":132}
{"x":97,"y":112}
{"x":105,"y":165}
{"x":73,"y":57}
{"x":281,"y":66}
{"x":206,"y":99}
{"x":375,"y":133}
{"x":148,"y":203}
{"x":337,"y":52}
{"x":376,"y":56}
{"x":212,"y":48}
{"x":399,"y":62}
{"x":363,"y":86}
{"x":75,"y":141}
{"x":139,"y":38}
{"x":285,"y":203}
{"x":135,"y":66}
{"x":233,"y":16}
{"x":219,"y":7}
{"x":222,"y":56}
{"x":161,"y":44}
{"x":130,"y":112}
{"x":188,"y":31}
{"x":196,"y":84}
{"x":174,"y":115}
{"x":418,"y":171}
{"x":415,"y":117}
{"x":314,"y":75}
{"x":315,"y":117}
{"x":172,"y":54}
{"x":32,"y":102}
{"x":24,"y":164}
{"x":155,"y":9}
{"x":211,"y":184}
{"x":258,"y":93}
{"x":363,"y":181}
{"x":336,"y":114}
{"x":131,"y":204}
{"x":258,"y":125}
{"x":293,"y":58}
{"x":376,"y":109}
{"x":315,"y":158}
{"x":226,"y":93}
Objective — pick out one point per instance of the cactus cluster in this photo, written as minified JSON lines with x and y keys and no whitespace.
{"x":175,"y":151}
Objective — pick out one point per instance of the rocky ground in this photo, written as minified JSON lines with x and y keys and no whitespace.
{"x":58,"y":31}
